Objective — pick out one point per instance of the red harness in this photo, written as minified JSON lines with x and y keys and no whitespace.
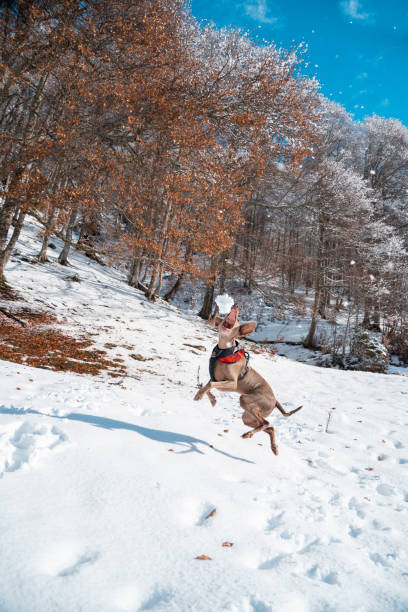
{"x":234,"y":357}
{"x":232,"y":354}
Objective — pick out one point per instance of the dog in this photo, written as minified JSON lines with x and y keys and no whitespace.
{"x":229,"y":371}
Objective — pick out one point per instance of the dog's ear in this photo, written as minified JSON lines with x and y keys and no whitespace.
{"x":247,"y":328}
{"x":215,"y":321}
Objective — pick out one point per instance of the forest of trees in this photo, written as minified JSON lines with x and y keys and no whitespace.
{"x":164,"y":146}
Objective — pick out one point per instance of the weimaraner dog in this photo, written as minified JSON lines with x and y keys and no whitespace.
{"x":229,"y":371}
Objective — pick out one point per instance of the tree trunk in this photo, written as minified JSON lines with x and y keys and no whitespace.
{"x":366,"y":319}
{"x":6,"y":217}
{"x":206,"y":309}
{"x":6,"y":252}
{"x":310,"y":340}
{"x":135,"y":268}
{"x":174,"y":289}
{"x":150,"y":293}
{"x":180,"y":279}
{"x":223,"y":274}
{"x":49,"y":226}
{"x":63,"y":256}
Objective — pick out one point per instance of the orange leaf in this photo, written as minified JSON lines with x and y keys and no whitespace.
{"x":211,"y":514}
{"x":228,"y":544}
{"x":204,"y":558}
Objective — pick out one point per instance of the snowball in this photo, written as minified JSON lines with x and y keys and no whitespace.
{"x":224,"y":303}
{"x":352,"y":262}
{"x":372,"y":171}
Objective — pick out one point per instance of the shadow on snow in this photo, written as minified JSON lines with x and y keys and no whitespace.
{"x":188,"y":443}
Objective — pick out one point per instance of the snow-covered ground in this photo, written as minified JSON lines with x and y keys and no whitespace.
{"x":105,"y":484}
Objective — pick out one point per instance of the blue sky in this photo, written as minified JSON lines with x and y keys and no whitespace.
{"x":358,"y":49}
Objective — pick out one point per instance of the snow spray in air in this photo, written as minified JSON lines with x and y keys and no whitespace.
{"x":224,"y":303}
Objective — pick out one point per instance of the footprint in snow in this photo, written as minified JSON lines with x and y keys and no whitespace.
{"x":25,"y":444}
{"x":309,"y":547}
{"x":274,"y":562}
{"x":66,"y":558}
{"x":357,"y":507}
{"x":158,"y":600}
{"x":354,"y":532}
{"x":331,"y":578}
{"x":378,"y":559}
{"x":79,"y":563}
{"x":315,"y":573}
{"x":275,"y":521}
{"x":386,"y":490}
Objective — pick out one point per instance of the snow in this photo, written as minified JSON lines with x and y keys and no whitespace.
{"x":106,"y":484}
{"x":224,"y":302}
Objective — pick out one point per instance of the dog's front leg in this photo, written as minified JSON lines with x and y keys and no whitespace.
{"x":202,"y":391}
{"x":211,"y":398}
{"x":222,"y":385}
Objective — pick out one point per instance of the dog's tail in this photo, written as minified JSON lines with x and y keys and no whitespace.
{"x":286,"y":414}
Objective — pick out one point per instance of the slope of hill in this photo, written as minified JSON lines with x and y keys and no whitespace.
{"x":107,"y":483}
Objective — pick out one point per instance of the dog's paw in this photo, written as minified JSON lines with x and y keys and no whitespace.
{"x":198,"y":396}
{"x":212,"y":399}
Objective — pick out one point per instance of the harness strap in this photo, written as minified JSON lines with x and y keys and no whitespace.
{"x":228,"y":355}
{"x":245,"y":370}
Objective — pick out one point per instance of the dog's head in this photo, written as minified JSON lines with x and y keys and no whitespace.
{"x":229,"y":326}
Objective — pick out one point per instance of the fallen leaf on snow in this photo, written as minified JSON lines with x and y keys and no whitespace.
{"x":204,"y":558}
{"x":227,"y":544}
{"x":211,"y":514}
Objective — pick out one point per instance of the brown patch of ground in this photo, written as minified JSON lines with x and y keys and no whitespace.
{"x":41,"y":344}
{"x":7,"y":292}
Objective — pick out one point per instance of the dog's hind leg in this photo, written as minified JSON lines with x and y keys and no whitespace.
{"x":271,"y":432}
{"x":253,"y":417}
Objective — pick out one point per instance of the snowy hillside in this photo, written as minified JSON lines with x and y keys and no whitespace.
{"x":106,"y":483}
